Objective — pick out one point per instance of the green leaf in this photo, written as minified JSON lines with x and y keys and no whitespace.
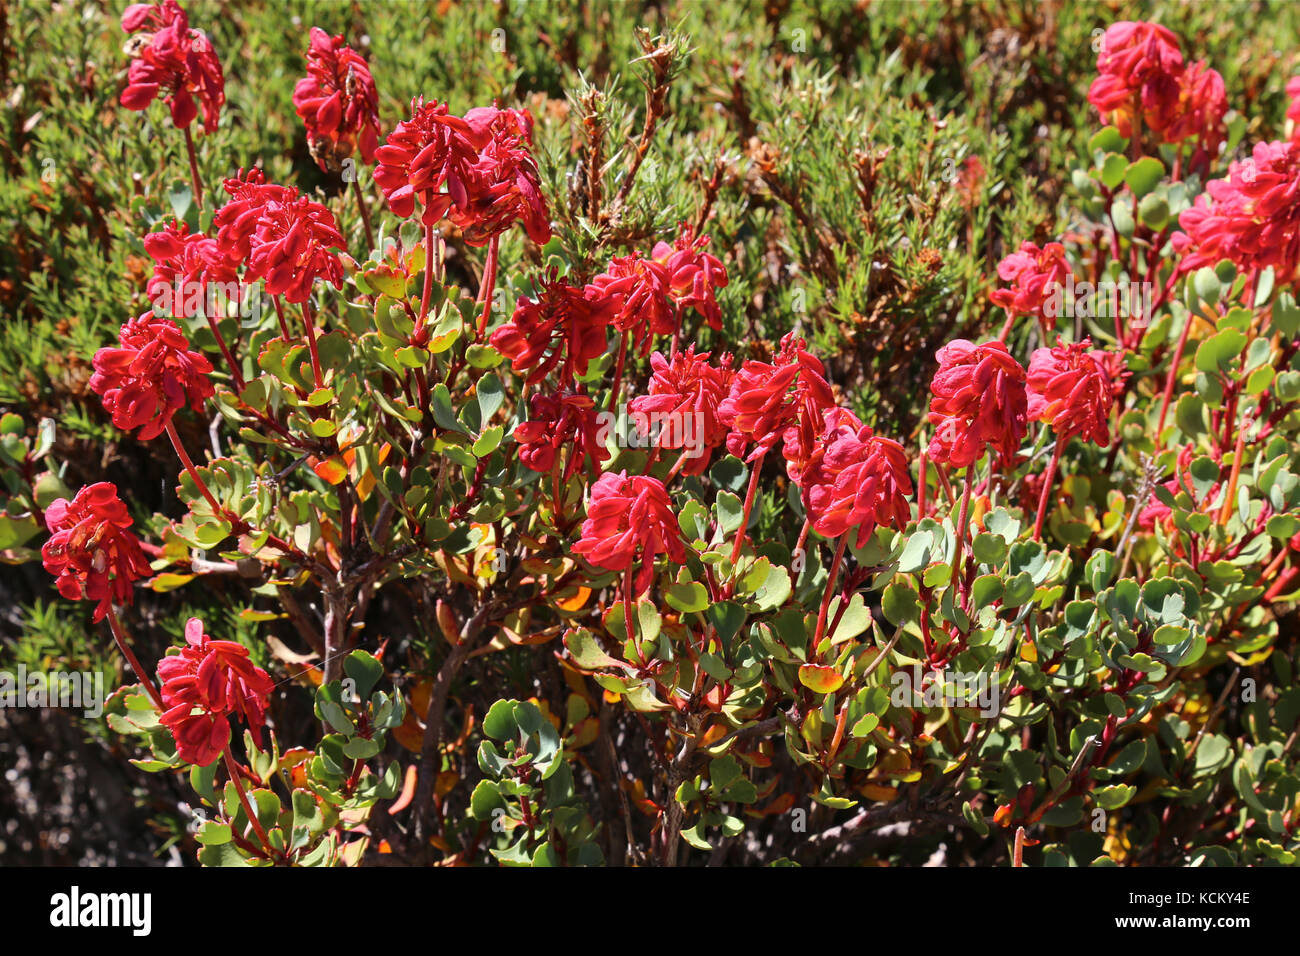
{"x":1143,"y":175}
{"x":365,"y":670}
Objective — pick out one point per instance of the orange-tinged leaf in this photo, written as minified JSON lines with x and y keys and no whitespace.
{"x":446,"y":782}
{"x":1028,"y":652}
{"x":408,"y":791}
{"x":331,"y":470}
{"x":576,"y":602}
{"x":585,"y":732}
{"x":875,"y":791}
{"x":821,"y":679}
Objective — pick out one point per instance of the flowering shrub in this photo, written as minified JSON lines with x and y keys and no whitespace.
{"x":548,"y":563}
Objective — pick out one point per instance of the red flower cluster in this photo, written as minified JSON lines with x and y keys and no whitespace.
{"x":765,"y":398}
{"x":91,"y":550}
{"x":280,"y":236}
{"x":202,"y":686}
{"x":1142,"y":77}
{"x":860,"y":480}
{"x":237,"y":221}
{"x":338,"y":102}
{"x":627,"y":514}
{"x":193,"y":259}
{"x":564,"y":323}
{"x":555,"y":421}
{"x":682,"y":404}
{"x":1070,"y":389}
{"x":638,"y":289}
{"x":1293,"y":111}
{"x":507,"y":185}
{"x":978,"y":399}
{"x":291,"y":249}
{"x":804,"y":443}
{"x":479,"y":169}
{"x":150,"y":376}
{"x":1254,"y":218}
{"x":694,"y":276}
{"x":1034,"y":275}
{"x":171,"y":59}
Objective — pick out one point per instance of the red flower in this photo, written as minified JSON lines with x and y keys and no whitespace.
{"x":173,"y":60}
{"x":1037,"y":277}
{"x":978,"y":399}
{"x":507,"y":185}
{"x":1254,"y":218}
{"x":290,"y":248}
{"x":193,"y":259}
{"x":1293,"y":111}
{"x":563,"y":323}
{"x":681,"y":409}
{"x":338,"y":102}
{"x":804,"y":443}
{"x":430,"y":151}
{"x":151,"y":376}
{"x":237,"y":221}
{"x":627,"y":514}
{"x":861,"y":481}
{"x":639,"y":289}
{"x":91,"y":551}
{"x":694,"y":276}
{"x":1070,"y":389}
{"x":555,"y":421}
{"x":1202,"y":104}
{"x":202,"y":686}
{"x":765,"y":398}
{"x":1139,"y":69}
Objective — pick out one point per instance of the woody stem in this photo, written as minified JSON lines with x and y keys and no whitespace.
{"x":365,"y":211}
{"x":194,"y":169}
{"x":119,"y":637}
{"x":1048,"y":478}
{"x":489,"y":284}
{"x":233,"y":769}
{"x":191,"y":470}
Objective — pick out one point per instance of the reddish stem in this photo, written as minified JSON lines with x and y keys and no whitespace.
{"x":233,"y":769}
{"x":311,"y":345}
{"x":1172,"y":377}
{"x":830,"y":589}
{"x":489,"y":284}
{"x":194,"y":169}
{"x":217,"y":510}
{"x":417,"y":336}
{"x":119,"y":637}
{"x":961,"y":528}
{"x":365,"y":211}
{"x":1048,"y":478}
{"x":756,"y":468}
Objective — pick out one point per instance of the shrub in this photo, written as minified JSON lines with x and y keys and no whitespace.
{"x":537,"y":535}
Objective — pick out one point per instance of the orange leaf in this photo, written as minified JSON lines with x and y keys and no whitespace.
{"x":331,"y":470}
{"x":819,"y":678}
{"x":576,"y":602}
